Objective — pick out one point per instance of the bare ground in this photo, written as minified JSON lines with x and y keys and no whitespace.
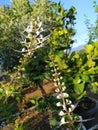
{"x":32,"y":119}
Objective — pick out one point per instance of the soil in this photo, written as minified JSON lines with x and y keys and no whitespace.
{"x":30,"y":118}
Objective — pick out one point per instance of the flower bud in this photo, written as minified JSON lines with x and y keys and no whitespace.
{"x":63,"y":88}
{"x":58,"y":104}
{"x":57,"y":90}
{"x":68,"y":102}
{"x":69,"y":109}
{"x":63,"y":83}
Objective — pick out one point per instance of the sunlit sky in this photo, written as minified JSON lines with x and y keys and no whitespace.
{"x":83,"y":7}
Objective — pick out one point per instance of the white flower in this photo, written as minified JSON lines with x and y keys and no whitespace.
{"x":63,"y":95}
{"x":62,"y":121}
{"x":41,"y":36}
{"x":58,"y":104}
{"x":41,"y":29}
{"x":61,"y":113}
{"x":29,"y":53}
{"x":63,"y":88}
{"x":57,"y":90}
{"x":54,"y":80}
{"x":29,"y":28}
{"x":63,"y":83}
{"x":37,"y":32}
{"x":58,"y":96}
{"x":58,"y":79}
{"x":39,"y":24}
{"x":69,"y":109}
{"x":23,"y":49}
{"x":68,"y":102}
{"x":64,"y":107}
{"x":59,"y":83}
{"x":72,"y":107}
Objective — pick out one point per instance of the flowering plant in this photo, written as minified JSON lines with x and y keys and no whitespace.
{"x":65,"y":108}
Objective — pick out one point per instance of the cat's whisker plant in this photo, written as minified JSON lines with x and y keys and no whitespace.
{"x":64,"y":104}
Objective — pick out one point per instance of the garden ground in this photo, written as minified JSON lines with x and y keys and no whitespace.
{"x":28,"y":115}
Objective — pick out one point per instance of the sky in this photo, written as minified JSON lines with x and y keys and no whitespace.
{"x":83,"y":7}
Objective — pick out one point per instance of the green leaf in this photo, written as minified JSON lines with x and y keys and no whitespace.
{"x":53,"y":122}
{"x":89,"y":48}
{"x":90,"y":63}
{"x":60,"y":53}
{"x":79,"y":88}
{"x":77,"y":80}
{"x":85,"y":77}
{"x":76,"y":55}
{"x":1,"y":90}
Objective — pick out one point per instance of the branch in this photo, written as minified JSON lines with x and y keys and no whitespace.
{"x":19,"y":113}
{"x":86,"y":120}
{"x":19,"y":51}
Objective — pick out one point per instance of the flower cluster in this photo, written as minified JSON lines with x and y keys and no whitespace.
{"x":35,"y":36}
{"x":63,"y":102}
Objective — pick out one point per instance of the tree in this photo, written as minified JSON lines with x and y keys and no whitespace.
{"x":50,"y":33}
{"x":13,"y":21}
{"x":93,"y":28}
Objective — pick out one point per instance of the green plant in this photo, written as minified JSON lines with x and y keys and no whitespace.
{"x":45,"y":54}
{"x":18,"y":126}
{"x":93,"y":27}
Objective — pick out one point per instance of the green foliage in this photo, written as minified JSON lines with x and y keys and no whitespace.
{"x":1,"y":90}
{"x":93,"y":27}
{"x":6,"y":110}
{"x":83,"y":70}
{"x":18,"y":126}
{"x":46,"y":46}
{"x":35,"y":67}
{"x":13,"y":21}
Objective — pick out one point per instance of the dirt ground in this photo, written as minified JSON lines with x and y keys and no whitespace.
{"x":32,"y":119}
